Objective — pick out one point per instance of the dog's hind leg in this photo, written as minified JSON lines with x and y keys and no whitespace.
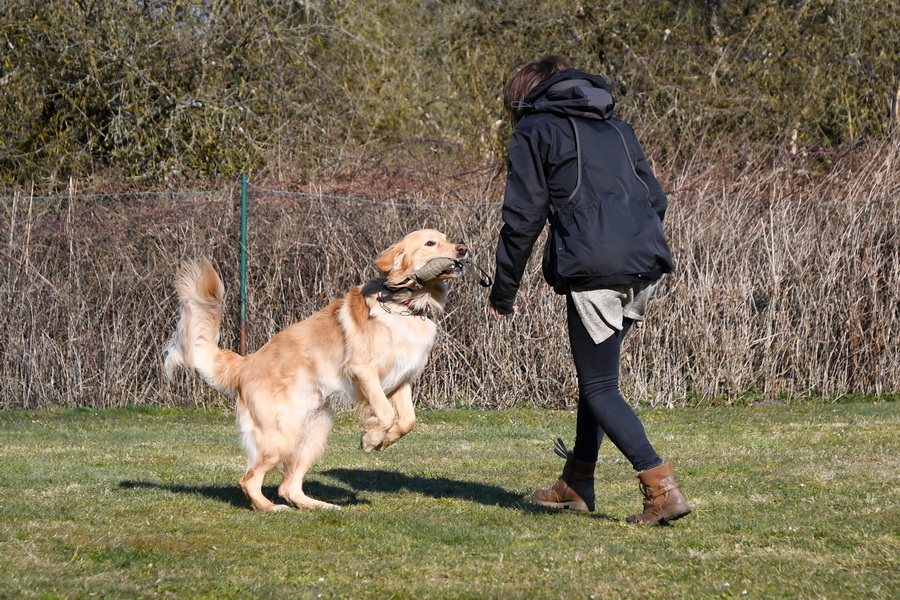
{"x":313,"y":437}
{"x":260,"y":460}
{"x":251,"y":483}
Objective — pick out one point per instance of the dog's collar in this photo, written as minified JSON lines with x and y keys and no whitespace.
{"x":410,"y":310}
{"x":408,"y":284}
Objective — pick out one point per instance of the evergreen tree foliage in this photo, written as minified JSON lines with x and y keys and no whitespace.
{"x":174,"y":89}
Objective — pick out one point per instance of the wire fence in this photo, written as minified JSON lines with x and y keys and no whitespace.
{"x":781,"y":291}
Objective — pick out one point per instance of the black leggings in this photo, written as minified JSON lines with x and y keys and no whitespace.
{"x":601,"y":408}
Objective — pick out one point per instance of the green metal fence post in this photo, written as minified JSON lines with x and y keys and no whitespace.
{"x":243,"y":265}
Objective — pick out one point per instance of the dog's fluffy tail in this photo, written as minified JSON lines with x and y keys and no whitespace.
{"x":195,"y":341}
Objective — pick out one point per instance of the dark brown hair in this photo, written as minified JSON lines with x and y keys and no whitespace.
{"x":525,"y":78}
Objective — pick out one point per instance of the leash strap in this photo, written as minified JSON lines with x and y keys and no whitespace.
{"x":484,"y":280}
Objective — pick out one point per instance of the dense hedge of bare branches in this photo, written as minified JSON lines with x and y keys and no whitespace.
{"x":774,"y":124}
{"x":787,"y":285}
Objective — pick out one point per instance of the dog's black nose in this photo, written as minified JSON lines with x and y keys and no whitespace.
{"x":461,"y":250}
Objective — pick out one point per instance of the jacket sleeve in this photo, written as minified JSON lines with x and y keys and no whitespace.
{"x":658,"y":199}
{"x":526,"y":205}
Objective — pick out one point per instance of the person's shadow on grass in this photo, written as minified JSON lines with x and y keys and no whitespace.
{"x":387,"y":482}
{"x":364,"y":480}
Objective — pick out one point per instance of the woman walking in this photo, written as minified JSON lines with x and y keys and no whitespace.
{"x":572,"y":162}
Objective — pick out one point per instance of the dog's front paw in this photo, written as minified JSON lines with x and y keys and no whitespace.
{"x":371,"y":440}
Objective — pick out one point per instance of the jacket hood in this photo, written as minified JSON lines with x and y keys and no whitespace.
{"x":572,"y":93}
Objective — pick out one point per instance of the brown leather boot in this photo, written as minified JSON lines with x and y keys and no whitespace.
{"x":663,"y":499}
{"x":574,"y":490}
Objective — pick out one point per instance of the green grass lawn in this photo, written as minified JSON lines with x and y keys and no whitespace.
{"x":789,"y":502}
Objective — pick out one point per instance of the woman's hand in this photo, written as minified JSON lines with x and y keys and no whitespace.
{"x":496,"y":313}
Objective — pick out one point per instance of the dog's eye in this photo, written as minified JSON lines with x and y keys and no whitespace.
{"x":430,"y":243}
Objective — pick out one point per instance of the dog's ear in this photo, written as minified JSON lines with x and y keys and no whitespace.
{"x":388,"y":259}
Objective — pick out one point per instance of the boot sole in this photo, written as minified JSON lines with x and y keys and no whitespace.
{"x":576,"y":506}
{"x":668,"y":520}
{"x":662,"y":521}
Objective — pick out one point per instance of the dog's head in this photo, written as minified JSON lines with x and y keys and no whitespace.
{"x":403,"y":260}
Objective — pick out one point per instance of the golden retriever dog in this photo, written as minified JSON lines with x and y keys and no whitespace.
{"x":368,"y":346}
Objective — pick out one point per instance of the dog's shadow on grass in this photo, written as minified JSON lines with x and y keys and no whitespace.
{"x":359,"y":480}
{"x":232,"y":494}
{"x":366,"y":481}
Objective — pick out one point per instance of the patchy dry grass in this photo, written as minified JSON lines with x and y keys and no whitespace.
{"x":790,"y":502}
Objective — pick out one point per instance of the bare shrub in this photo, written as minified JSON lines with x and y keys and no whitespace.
{"x":787,"y":285}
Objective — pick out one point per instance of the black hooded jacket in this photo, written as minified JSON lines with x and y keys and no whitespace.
{"x":605,"y":218}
